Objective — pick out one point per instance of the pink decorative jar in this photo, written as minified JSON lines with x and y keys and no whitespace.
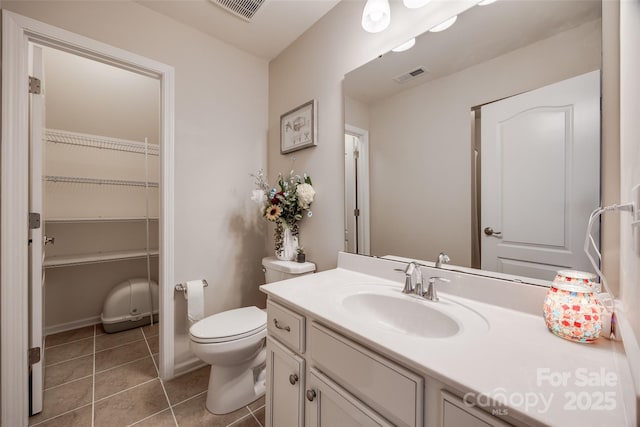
{"x":572,"y":311}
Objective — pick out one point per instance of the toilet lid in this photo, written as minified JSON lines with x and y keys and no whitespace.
{"x":229,"y":325}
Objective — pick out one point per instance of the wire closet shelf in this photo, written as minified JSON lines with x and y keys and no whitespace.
{"x":101,"y":142}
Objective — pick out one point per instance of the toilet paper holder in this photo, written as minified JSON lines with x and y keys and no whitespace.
{"x":182,"y":287}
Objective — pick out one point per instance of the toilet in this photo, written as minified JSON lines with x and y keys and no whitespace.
{"x":232,"y":342}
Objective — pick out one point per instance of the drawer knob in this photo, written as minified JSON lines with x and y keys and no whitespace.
{"x":293,"y":379}
{"x":279,"y":326}
{"x":311,"y":394}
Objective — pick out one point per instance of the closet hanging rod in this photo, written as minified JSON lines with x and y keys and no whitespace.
{"x":100,"y":142}
{"x":79,"y":180}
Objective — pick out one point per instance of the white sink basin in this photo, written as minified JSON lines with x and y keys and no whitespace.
{"x":404,"y":315}
{"x":392,"y":311}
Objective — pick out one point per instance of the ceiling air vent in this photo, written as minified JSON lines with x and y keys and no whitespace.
{"x":243,"y":9}
{"x":404,"y":77}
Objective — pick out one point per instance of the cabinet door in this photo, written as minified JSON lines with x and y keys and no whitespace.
{"x":285,"y":386}
{"x":329,"y":405}
{"x":456,"y":414}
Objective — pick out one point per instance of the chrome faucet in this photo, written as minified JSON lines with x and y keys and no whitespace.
{"x":431,"y":293}
{"x":442,"y":259}
{"x":408,"y":280}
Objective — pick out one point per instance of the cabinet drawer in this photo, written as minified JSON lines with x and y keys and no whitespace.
{"x":389,"y":389}
{"x":286,"y":325}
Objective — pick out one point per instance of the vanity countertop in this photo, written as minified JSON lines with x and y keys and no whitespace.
{"x":539,"y":378}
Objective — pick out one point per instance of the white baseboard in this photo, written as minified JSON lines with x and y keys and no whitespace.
{"x":187,"y":366}
{"x":62,"y":327}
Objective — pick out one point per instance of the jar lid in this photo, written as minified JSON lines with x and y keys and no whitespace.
{"x":577,"y":275}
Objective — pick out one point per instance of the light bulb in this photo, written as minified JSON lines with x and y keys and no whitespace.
{"x":405,"y":46}
{"x":446,"y":24}
{"x":414,"y":4}
{"x":376,"y":16}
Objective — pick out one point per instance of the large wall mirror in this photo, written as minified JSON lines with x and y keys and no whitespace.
{"x":481,"y":141}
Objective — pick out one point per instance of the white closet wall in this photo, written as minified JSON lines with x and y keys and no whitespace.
{"x":95,"y":184}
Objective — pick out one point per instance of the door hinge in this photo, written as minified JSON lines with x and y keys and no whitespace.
{"x":34,"y":220}
{"x":34,"y":85}
{"x":34,"y":355}
{"x":356,"y":212}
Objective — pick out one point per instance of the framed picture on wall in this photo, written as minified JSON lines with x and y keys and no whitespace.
{"x":298,"y":128}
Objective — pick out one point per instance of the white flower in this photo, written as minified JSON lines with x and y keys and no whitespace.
{"x":305,"y":194}
{"x":258,"y":196}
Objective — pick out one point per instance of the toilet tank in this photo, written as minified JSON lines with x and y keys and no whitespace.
{"x":276,"y":270}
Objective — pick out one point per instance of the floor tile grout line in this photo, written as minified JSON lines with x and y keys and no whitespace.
{"x":68,"y":382}
{"x":59,"y":415}
{"x":147,"y":417}
{"x":121,"y":365}
{"x":93,"y":391}
{"x":252,"y":412}
{"x":68,"y":360}
{"x":249,"y":415}
{"x":49,"y":347}
{"x":164,"y":390}
{"x":189,"y":398}
{"x":120,"y":345}
{"x":126,"y":389}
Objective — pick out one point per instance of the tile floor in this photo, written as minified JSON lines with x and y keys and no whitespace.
{"x":95,"y":379}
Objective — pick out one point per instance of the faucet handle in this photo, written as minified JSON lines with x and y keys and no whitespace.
{"x":432,"y":294}
{"x":408,"y":271}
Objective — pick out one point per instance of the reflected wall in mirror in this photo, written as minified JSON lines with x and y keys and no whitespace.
{"x":425,"y":139}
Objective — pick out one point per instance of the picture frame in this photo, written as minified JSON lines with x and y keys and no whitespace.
{"x":299,"y":128}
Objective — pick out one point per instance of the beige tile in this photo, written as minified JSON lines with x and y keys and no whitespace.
{"x":64,"y":398}
{"x":163,"y":419}
{"x":151,"y":331}
{"x":65,"y":352}
{"x":257,"y":404}
{"x":193,"y":413}
{"x":68,"y":371}
{"x":106,"y":341}
{"x":187,"y":385}
{"x":248,"y":421}
{"x":154,"y":344}
{"x":78,"y":418}
{"x":124,"y":377}
{"x":120,"y":355}
{"x":69,"y":336}
{"x":131,"y":406}
{"x":260,"y":415}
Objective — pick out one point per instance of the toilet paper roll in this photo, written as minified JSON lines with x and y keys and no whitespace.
{"x":195,"y":300}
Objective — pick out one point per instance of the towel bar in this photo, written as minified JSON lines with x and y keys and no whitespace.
{"x":182,"y":287}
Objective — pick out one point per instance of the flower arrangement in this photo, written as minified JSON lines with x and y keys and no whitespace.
{"x":285,"y":203}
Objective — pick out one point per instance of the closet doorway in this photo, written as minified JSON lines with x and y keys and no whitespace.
{"x":99,"y":158}
{"x":20,"y":35}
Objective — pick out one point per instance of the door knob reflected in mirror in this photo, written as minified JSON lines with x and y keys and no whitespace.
{"x":311,"y":394}
{"x":489,"y":232}
{"x":293,"y":379}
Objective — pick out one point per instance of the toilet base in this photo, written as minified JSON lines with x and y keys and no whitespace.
{"x":232,"y":387}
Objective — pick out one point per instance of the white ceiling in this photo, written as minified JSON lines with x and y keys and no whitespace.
{"x":274,"y":26}
{"x":481,"y":33}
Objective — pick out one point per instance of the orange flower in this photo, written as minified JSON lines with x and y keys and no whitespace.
{"x":273,"y":212}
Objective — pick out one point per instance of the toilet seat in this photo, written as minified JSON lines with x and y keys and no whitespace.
{"x":229,"y":325}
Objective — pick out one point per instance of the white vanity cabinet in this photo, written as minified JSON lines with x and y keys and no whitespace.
{"x":319,"y":378}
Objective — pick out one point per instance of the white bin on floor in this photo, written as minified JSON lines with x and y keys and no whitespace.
{"x":128,"y":305}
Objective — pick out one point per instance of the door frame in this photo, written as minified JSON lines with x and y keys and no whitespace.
{"x":17,"y":32}
{"x":364,"y":230}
